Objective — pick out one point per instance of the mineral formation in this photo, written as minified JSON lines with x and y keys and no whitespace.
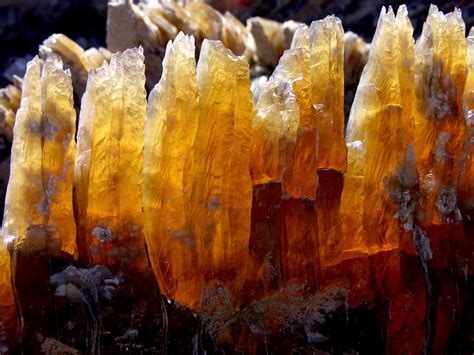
{"x":169,"y":136}
{"x":266,"y":229}
{"x":221,"y":189}
{"x":197,"y":187}
{"x":108,"y":173}
{"x":380,"y":137}
{"x":39,"y":199}
{"x":440,"y":116}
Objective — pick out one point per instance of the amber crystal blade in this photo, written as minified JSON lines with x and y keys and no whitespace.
{"x":25,"y":194}
{"x":39,"y":201}
{"x":221,"y":186}
{"x":440,"y":126}
{"x":59,"y":152}
{"x":300,"y":174}
{"x":110,"y":161}
{"x":170,"y":130}
{"x":327,"y":91}
{"x":381,"y":128}
{"x":327,"y":99}
{"x":440,"y":117}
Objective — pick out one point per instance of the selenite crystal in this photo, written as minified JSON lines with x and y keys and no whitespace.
{"x":220,"y":216}
{"x":39,"y":202}
{"x":108,"y":175}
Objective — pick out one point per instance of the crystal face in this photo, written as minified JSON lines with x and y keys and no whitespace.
{"x":39,"y":203}
{"x":108,"y":175}
{"x":236,"y":215}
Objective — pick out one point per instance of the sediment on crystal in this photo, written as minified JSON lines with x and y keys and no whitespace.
{"x":381,"y":130}
{"x":168,"y":158}
{"x":221,"y":194}
{"x":39,"y":199}
{"x":108,"y":175}
{"x":439,"y":115}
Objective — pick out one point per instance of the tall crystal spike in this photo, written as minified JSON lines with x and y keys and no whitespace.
{"x":169,"y":135}
{"x":221,"y":186}
{"x":381,"y":128}
{"x":440,"y":117}
{"x":39,"y":197}
{"x":110,"y":161}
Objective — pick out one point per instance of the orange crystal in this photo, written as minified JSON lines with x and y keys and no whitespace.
{"x":440,"y":117}
{"x":378,"y":191}
{"x":169,"y":135}
{"x":39,"y":199}
{"x":221,"y":194}
{"x":110,"y":161}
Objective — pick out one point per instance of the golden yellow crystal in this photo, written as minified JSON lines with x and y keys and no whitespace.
{"x":75,"y":58}
{"x":267,"y":40}
{"x":327,"y":99}
{"x":381,"y":173}
{"x":300,"y":173}
{"x":273,"y":131}
{"x":221,"y":186}
{"x":327,"y":91}
{"x":169,"y":135}
{"x":440,"y":117}
{"x":110,"y":160}
{"x":39,"y":199}
{"x":234,"y":34}
{"x":209,"y":21}
{"x":198,"y":190}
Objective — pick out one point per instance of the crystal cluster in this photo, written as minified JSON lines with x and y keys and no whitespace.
{"x":248,"y":205}
{"x":198,"y":196}
{"x":153,"y":23}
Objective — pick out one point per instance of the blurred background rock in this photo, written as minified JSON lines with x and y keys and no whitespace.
{"x":24,"y":24}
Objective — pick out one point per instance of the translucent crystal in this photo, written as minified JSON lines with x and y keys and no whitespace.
{"x":39,"y":199}
{"x":380,"y":137}
{"x":221,"y":186}
{"x":440,"y":117}
{"x":110,"y":161}
{"x":327,"y":91}
{"x":274,"y":131}
{"x":170,"y":130}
